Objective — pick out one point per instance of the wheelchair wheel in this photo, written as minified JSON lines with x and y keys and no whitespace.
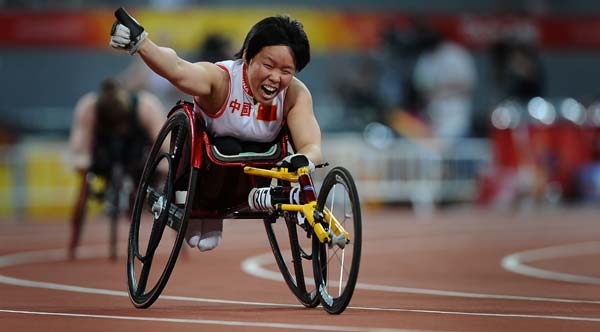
{"x":160,"y":213}
{"x":291,"y":257}
{"x":335,"y":268}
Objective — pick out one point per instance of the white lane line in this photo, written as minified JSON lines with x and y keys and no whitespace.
{"x":305,"y":327}
{"x":89,"y":252}
{"x":52,"y":255}
{"x":215,"y":322}
{"x":516,"y":262}
{"x":256,"y":266}
{"x":99,"y":291}
{"x":485,"y":314}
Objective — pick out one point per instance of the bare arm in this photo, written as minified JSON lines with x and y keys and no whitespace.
{"x":302,"y":123}
{"x":82,"y":129}
{"x":196,"y":79}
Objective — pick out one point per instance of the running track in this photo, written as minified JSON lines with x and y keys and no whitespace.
{"x":463,"y":270}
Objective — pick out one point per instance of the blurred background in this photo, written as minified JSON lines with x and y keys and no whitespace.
{"x":485,"y":104}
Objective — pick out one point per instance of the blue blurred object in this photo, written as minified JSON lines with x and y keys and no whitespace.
{"x":588,"y":182}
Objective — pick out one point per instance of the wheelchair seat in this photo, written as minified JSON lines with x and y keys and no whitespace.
{"x":213,"y":154}
{"x":272,"y":154}
{"x":268,"y":158}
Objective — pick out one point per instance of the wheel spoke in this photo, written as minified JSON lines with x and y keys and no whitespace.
{"x":143,"y":280}
{"x":158,"y":228}
{"x":341,"y":260}
{"x":341,"y":274}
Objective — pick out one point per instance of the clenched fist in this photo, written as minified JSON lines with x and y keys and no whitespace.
{"x":126,"y":33}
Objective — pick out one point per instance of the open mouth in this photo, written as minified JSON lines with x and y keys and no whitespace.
{"x":268,"y":90}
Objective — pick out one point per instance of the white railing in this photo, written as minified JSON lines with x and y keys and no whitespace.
{"x":410,"y":170}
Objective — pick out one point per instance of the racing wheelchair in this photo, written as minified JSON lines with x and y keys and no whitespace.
{"x":114,"y":195}
{"x":186,"y":177}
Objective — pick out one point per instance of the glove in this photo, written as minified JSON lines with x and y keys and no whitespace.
{"x":126,"y":33}
{"x":295,"y":161}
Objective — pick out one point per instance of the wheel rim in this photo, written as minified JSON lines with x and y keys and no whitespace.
{"x":336,"y":268}
{"x":157,"y":222}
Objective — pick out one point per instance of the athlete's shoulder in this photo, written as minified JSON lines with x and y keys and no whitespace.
{"x":297,"y":94}
{"x":148,"y":98}
{"x":229,"y":64}
{"x":149,"y":106}
{"x":218,"y":74}
{"x":233,"y":68}
{"x":87,"y":99}
{"x":297,"y":89}
{"x":86,"y":105}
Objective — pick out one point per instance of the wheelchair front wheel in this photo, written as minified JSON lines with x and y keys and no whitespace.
{"x":290,"y":255}
{"x":160,"y":213}
{"x":336,"y":268}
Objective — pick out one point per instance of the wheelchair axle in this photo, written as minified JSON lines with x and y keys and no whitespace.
{"x":157,"y":203}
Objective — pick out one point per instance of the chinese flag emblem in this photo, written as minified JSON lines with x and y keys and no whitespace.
{"x":266,"y":112}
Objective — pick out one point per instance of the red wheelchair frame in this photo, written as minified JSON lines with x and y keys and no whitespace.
{"x":186,"y":177}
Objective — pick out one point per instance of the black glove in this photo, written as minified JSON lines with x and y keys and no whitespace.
{"x":126,"y":33}
{"x":295,"y":161}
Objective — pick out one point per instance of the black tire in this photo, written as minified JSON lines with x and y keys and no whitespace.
{"x":292,"y":261}
{"x":335,"y":279}
{"x":155,"y":210}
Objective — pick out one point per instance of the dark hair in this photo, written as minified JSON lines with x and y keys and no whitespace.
{"x":277,"y":30}
{"x":112,"y":106}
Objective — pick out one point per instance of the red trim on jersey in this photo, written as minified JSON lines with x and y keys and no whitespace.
{"x":245,"y":84}
{"x":224,"y":106}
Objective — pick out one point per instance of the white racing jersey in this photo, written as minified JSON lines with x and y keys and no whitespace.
{"x":239,"y":116}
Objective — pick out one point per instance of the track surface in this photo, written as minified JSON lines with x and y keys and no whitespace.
{"x":463,"y":270}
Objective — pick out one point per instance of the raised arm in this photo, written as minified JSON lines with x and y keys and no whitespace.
{"x":197,"y":79}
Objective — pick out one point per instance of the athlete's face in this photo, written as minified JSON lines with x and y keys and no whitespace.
{"x":270,"y":71}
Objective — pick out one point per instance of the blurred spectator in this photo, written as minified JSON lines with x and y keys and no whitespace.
{"x":445,"y":77}
{"x":380,"y":81}
{"x":358,"y":91}
{"x":401,"y":47}
{"x":530,"y":163}
{"x":215,"y":47}
{"x":518,"y":73}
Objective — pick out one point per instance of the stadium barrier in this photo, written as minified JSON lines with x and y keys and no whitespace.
{"x":423,"y":171}
{"x":36,"y":181}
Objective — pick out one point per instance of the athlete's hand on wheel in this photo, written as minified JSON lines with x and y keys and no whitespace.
{"x":126,"y":33}
{"x":296,"y":161}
